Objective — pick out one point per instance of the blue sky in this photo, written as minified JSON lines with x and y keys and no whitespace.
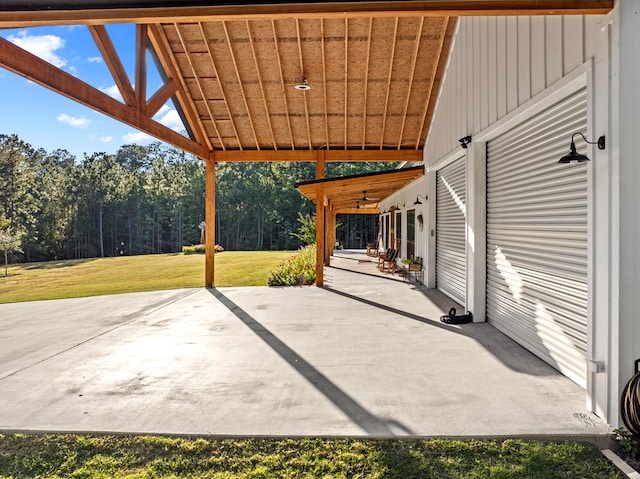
{"x":45,"y":119}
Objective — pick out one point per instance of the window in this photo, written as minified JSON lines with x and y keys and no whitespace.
{"x":398,"y":231}
{"x":387,"y":231}
{"x":411,"y":233}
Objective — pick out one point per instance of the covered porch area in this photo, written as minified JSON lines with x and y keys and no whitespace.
{"x":363,"y":356}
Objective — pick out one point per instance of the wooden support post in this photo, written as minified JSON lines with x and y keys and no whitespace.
{"x":320,"y":209}
{"x":210,"y":221}
{"x":329,"y":235}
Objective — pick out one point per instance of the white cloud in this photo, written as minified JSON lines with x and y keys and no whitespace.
{"x":42,"y":46}
{"x":112,"y":91}
{"x":80,"y":122}
{"x":94,"y":59}
{"x":101,"y":138}
{"x":136,"y":137}
{"x":172,"y":120}
{"x":163,"y":109}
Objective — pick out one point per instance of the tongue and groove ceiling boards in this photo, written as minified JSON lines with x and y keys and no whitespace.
{"x":231,"y":68}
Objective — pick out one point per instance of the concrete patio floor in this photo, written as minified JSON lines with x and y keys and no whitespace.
{"x":364,"y":356}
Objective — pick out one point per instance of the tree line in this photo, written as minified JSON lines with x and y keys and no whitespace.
{"x":150,"y":199}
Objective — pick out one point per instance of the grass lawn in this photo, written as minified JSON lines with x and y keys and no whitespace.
{"x":124,"y":274}
{"x":57,"y":456}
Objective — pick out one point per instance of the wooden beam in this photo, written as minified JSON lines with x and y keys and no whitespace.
{"x":310,"y":155}
{"x":113,"y":62}
{"x":29,"y":66}
{"x":320,"y":237}
{"x":210,"y":222}
{"x":357,"y":211}
{"x":14,"y":13}
{"x":329,"y":235}
{"x":142,"y":41}
{"x":320,"y":218}
{"x":392,"y":53}
{"x":161,"y":97}
{"x":158,"y":41}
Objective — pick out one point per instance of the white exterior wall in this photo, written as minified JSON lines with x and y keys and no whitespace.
{"x":501,"y":71}
{"x":405,"y":198}
{"x":622,"y":277}
{"x":498,"y":64}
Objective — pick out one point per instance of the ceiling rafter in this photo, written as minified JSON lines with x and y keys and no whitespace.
{"x":284,"y":94}
{"x":366,"y":84}
{"x":222,"y":91}
{"x":194,"y":73}
{"x":240,"y":86}
{"x":414,"y":62}
{"x":112,"y":60}
{"x":346,"y":82}
{"x":261,"y":83}
{"x":391,"y":61}
{"x":184,"y":101}
{"x":324,"y":83}
{"x":304,"y":92}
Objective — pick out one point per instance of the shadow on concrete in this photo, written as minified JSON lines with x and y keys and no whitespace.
{"x":503,"y":348}
{"x":370,"y":423}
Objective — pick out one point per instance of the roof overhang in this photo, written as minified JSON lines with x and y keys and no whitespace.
{"x":231,"y":69}
{"x":17,"y":13}
{"x":359,"y":194}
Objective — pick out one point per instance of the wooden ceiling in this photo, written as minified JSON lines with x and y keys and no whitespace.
{"x":359,"y":193}
{"x":372,"y":81}
{"x":374,"y":70}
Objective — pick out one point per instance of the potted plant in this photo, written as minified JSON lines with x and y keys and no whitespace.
{"x":414,"y":263}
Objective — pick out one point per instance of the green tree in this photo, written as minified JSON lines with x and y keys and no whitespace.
{"x":19,"y":202}
{"x":307,"y":229}
{"x":8,"y":244}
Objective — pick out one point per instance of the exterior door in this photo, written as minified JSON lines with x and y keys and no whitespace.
{"x":537,"y":237}
{"x":451,"y":198}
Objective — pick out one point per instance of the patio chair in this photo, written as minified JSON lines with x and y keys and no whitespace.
{"x":389,"y":264}
{"x":372,"y":249}
{"x":381,"y":257}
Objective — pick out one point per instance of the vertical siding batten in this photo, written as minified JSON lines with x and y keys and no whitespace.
{"x":492,"y":49}
{"x":538,"y":69}
{"x":524,"y":59}
{"x":484,"y":74}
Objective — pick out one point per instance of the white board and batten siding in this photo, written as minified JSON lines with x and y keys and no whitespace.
{"x":537,"y":233}
{"x":498,"y":68}
{"x":497,"y":64}
{"x":451,"y":201}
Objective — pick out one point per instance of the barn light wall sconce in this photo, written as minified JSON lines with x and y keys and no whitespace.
{"x":464,"y":142}
{"x":574,"y":157}
{"x":418,"y":202}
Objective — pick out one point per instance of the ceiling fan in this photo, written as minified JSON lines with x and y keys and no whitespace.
{"x":366,"y":198}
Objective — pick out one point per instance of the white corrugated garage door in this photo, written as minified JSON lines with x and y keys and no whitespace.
{"x":451,"y":200}
{"x":537,"y":237}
